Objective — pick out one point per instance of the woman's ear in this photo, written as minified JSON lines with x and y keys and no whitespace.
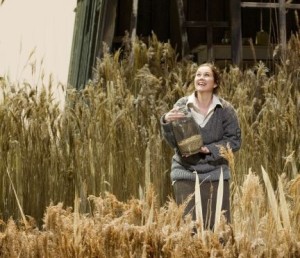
{"x":215,"y":86}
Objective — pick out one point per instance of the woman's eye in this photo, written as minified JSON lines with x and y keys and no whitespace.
{"x":203,"y":75}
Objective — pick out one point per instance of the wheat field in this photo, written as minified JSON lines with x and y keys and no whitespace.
{"x":92,"y":179}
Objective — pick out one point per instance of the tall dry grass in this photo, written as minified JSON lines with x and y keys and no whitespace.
{"x":107,"y":139}
{"x":143,"y":228}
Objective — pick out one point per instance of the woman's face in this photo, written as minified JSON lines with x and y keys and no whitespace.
{"x":204,"y":80}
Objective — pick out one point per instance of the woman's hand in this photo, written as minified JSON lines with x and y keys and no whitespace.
{"x":204,"y":150}
{"x":173,"y":115}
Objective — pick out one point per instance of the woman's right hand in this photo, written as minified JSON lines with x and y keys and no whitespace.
{"x":173,"y":114}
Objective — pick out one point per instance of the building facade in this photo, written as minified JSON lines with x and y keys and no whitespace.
{"x":224,"y":31}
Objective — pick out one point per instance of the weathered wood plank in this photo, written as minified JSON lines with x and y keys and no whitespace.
{"x":91,"y":40}
{"x":182,"y":29}
{"x":109,"y":22}
{"x":236,"y":32}
{"x":282,"y":28}
{"x":133,"y":22}
{"x":83,"y":62}
{"x":209,"y":31}
{"x":204,"y":24}
{"x":77,"y":44}
{"x":99,"y":32}
{"x":269,"y":5}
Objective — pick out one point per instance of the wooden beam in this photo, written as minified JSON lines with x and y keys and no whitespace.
{"x":182,"y":29}
{"x":133,"y":22}
{"x":236,"y":32}
{"x":269,"y":5}
{"x":282,"y":28}
{"x":106,"y":24}
{"x":204,"y":24}
{"x":76,"y":70}
{"x":101,"y":5}
{"x":93,"y":32}
{"x":110,"y":22}
{"x":209,"y":32}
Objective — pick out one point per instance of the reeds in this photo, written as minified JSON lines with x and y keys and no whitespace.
{"x":107,"y":139}
{"x":141,"y":228}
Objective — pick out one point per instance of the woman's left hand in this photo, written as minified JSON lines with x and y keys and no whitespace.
{"x":204,"y":150}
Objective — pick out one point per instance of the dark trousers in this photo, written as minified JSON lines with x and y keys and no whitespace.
{"x":208,"y":190}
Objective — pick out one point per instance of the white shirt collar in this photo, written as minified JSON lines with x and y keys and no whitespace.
{"x":200,"y":118}
{"x":215,"y":101}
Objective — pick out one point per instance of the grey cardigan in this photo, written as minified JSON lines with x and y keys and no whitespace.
{"x":222,"y":128}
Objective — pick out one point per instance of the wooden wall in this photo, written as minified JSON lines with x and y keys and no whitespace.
{"x":84,"y":42}
{"x":94,"y":24}
{"x":107,"y":20}
{"x":206,"y":11}
{"x":251,"y":21}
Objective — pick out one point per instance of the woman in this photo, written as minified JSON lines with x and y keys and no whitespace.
{"x":218,"y":125}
